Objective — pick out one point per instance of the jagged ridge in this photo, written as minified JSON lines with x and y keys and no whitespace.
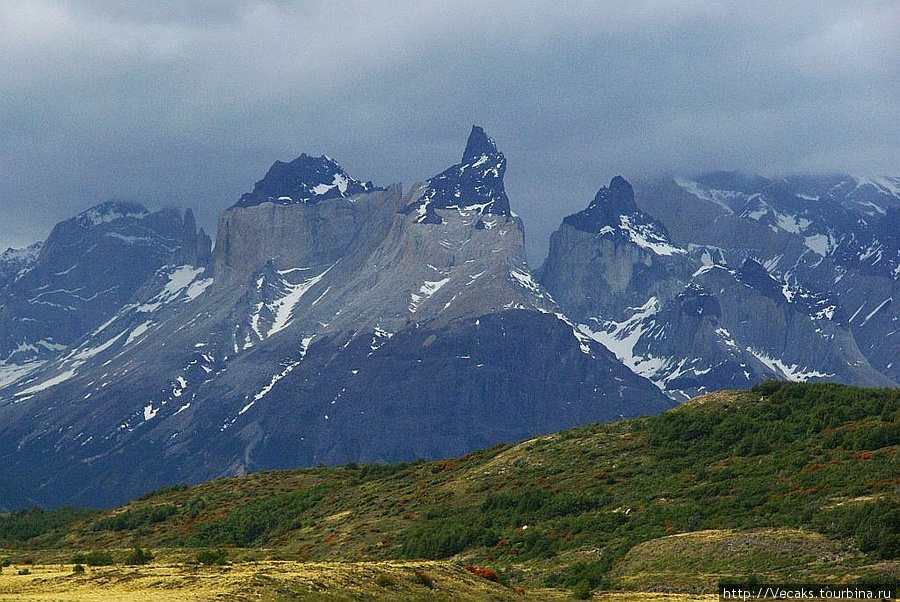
{"x":306,"y":179}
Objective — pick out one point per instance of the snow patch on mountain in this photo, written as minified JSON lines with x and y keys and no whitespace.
{"x":881,"y":306}
{"x":620,"y":338}
{"x":428,"y":289}
{"x":820,"y":244}
{"x":83,"y":354}
{"x":50,"y":382}
{"x":339,"y":181}
{"x":111,"y":211}
{"x":648,"y":237}
{"x":283,"y":308}
{"x":150,"y":412}
{"x":182,"y":280}
{"x":717,"y":197}
{"x":11,"y":373}
{"x":16,"y":262}
{"x":792,"y":372}
{"x":886,"y":185}
{"x":524,"y":278}
{"x":287,"y":366}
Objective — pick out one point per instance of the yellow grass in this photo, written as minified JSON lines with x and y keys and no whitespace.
{"x":267,"y":580}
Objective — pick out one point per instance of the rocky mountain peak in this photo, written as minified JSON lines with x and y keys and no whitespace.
{"x":478,"y":145}
{"x":87,"y":269}
{"x":616,"y":199}
{"x":109,"y":211}
{"x":13,"y":261}
{"x":306,"y":179}
{"x":474,"y":184}
{"x":196,"y":246}
{"x":614,"y":212}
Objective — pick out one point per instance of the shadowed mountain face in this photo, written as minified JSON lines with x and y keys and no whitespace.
{"x":304,"y":180}
{"x":735,"y":279}
{"x":87,"y":269}
{"x":341,"y":326}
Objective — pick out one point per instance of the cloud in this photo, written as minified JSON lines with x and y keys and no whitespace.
{"x":188,"y":103}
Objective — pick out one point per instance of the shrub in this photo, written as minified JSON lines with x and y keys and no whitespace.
{"x":78,"y":568}
{"x":138,"y":556}
{"x":385,"y":580}
{"x":133,"y":519}
{"x":24,"y":571}
{"x":163,"y":491}
{"x":258,"y":521}
{"x":216,"y":557}
{"x":874,"y":526}
{"x":582,"y":590}
{"x":484,"y":573}
{"x":444,"y":537}
{"x":23,"y":525}
{"x":744,"y":581}
{"x":420,"y":577}
{"x":98,"y":558}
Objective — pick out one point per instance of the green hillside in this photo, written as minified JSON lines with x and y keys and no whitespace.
{"x":785,"y":482}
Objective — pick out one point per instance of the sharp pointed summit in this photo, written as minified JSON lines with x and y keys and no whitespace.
{"x":613,"y":212}
{"x":474,"y":184}
{"x":478,"y":145}
{"x":609,"y":203}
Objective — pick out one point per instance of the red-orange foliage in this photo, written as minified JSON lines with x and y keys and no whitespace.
{"x":484,"y":573}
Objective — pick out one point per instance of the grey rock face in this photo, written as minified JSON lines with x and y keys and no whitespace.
{"x":296,"y":234}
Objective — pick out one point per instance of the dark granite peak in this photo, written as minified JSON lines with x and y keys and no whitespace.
{"x":616,"y":199}
{"x":755,"y":275}
{"x":610,"y":203}
{"x":478,"y":145}
{"x":474,"y":184}
{"x":196,"y":246}
{"x":306,"y":179}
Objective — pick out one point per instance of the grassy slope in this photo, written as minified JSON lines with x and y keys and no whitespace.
{"x":783,"y":482}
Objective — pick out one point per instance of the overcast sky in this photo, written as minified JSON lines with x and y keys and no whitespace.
{"x":187,"y":103}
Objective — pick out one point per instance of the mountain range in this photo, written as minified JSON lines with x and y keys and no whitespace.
{"x":726,"y":281}
{"x":336,"y":320}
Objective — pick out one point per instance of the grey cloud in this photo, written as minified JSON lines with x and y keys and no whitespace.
{"x":189,"y":102}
